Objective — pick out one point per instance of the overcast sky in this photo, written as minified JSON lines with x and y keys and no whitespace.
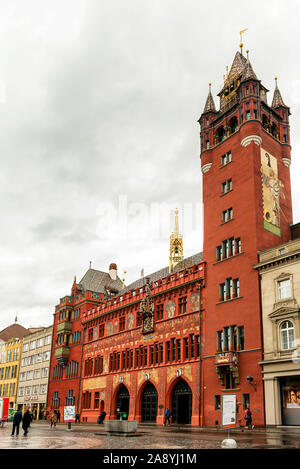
{"x":99,"y":140}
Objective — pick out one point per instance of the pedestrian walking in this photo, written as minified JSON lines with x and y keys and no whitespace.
{"x":101,"y":417}
{"x":16,"y":423}
{"x":53,"y":419}
{"x":26,"y":421}
{"x":248,"y":418}
{"x":58,"y":416}
{"x":77,"y":418}
{"x":167,"y":416}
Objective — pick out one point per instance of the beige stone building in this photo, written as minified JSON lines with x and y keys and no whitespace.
{"x":34,"y":372}
{"x":279,"y":270}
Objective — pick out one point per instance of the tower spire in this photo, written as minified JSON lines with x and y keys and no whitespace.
{"x":176,"y":244}
{"x":277,"y":98}
{"x":209,"y":105}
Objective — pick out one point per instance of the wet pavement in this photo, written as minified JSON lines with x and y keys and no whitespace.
{"x":93,"y":437}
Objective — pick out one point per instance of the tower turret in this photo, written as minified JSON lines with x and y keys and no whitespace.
{"x":246,"y":208}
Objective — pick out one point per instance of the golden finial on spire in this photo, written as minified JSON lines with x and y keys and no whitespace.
{"x":176,"y":228}
{"x":123,"y":279}
{"x":241,"y":39}
{"x":90,"y":264}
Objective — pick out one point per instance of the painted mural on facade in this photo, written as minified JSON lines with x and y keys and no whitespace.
{"x":272,"y":191}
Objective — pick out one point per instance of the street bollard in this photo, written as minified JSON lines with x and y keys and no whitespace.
{"x":229,"y":443}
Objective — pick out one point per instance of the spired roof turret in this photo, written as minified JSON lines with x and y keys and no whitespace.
{"x":209,"y":105}
{"x":237,"y":67}
{"x":277,"y":98}
{"x":248,"y":72}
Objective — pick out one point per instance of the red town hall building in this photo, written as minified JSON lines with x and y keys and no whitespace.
{"x":187,"y":335}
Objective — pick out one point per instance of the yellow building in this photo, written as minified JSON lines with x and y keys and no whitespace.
{"x":11,"y":340}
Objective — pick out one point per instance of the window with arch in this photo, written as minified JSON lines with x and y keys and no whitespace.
{"x":233,"y":125}
{"x":220,"y":134}
{"x":287,"y":335}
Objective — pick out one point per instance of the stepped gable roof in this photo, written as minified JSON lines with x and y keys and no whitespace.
{"x":277,"y":98}
{"x":13,"y":331}
{"x":98,"y":281}
{"x":185,"y":263}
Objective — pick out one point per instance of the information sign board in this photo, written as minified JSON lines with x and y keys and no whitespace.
{"x":229,"y":411}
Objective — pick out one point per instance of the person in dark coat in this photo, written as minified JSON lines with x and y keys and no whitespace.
{"x":26,"y":421}
{"x":101,"y":417}
{"x":58,"y":416}
{"x":167,"y":416}
{"x":248,"y":418}
{"x":16,"y":423}
{"x":77,"y":418}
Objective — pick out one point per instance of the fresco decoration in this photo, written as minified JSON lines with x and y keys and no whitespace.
{"x":170,"y":308}
{"x":194,"y":302}
{"x":111,"y":328}
{"x":272,"y":190}
{"x":130,"y":321}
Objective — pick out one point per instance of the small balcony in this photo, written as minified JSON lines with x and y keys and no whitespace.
{"x":226,"y":358}
{"x":62,"y":355}
{"x":65,"y":326}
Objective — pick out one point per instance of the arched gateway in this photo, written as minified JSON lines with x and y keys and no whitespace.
{"x":181,"y":402}
{"x":149,"y":403}
{"x":122,"y":403}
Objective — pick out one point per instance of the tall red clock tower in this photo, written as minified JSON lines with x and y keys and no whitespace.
{"x":245,"y":161}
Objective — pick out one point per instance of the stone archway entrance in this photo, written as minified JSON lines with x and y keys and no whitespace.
{"x":122,"y":406}
{"x":149,"y":403}
{"x":182,"y":403}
